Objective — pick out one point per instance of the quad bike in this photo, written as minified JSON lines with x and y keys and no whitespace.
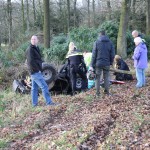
{"x":58,"y":81}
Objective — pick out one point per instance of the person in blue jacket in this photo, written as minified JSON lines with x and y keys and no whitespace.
{"x":140,"y":61}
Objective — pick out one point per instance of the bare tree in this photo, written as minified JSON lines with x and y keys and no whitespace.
{"x":93,"y":6}
{"x":28,"y":21}
{"x":74,"y":12}
{"x":133,"y":2}
{"x":46,"y":24}
{"x":88,"y":2}
{"x":148,"y":17}
{"x":108,"y":16}
{"x":9,"y":13}
{"x":41,"y":13}
{"x":121,"y":39}
{"x":23,"y":17}
{"x":132,"y":18}
{"x":68,"y":9}
{"x":34,"y":14}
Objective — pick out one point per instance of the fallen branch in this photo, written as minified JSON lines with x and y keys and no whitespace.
{"x":147,"y":73}
{"x":122,"y":71}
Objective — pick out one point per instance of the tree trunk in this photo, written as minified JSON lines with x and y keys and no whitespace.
{"x":132,"y":72}
{"x":108,"y":16}
{"x":132,"y":18}
{"x":23,"y":18}
{"x":148,"y":17}
{"x":74,"y":15}
{"x":28,"y":22}
{"x":0,"y":40}
{"x":68,"y":9}
{"x":89,"y":13}
{"x":121,"y":39}
{"x":34,"y":14}
{"x":41,"y":14}
{"x":133,"y":5}
{"x":46,"y":24}
{"x":122,"y":71}
{"x":9,"y":12}
{"x":93,"y":5}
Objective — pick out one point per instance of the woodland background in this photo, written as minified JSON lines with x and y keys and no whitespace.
{"x":81,"y":122}
{"x":57,"y":22}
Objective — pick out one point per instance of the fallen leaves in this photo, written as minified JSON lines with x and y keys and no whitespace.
{"x":120,"y":121}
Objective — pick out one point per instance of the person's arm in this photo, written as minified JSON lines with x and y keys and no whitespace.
{"x":83,"y":62}
{"x":94,"y":55}
{"x":31,"y":59}
{"x":137,"y":53}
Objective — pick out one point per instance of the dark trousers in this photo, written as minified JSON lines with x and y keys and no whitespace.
{"x":105,"y":71}
{"x":74,"y":74}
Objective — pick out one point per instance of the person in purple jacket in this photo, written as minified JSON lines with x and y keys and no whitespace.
{"x":140,"y":61}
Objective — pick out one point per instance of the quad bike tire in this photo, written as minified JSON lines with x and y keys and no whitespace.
{"x":49,"y":73}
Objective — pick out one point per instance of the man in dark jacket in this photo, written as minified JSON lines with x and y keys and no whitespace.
{"x":102,"y":57}
{"x":34,"y":62}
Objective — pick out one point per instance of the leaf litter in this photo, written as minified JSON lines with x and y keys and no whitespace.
{"x":84,"y":122}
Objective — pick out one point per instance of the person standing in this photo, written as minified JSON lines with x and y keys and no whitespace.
{"x":102,"y":57}
{"x":34,"y":63}
{"x":140,"y":61}
{"x":77,"y":68}
{"x":135,"y":34}
{"x":87,"y":58}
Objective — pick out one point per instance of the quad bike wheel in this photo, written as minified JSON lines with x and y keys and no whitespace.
{"x":49,"y":73}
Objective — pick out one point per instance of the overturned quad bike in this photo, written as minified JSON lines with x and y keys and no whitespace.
{"x":58,"y":81}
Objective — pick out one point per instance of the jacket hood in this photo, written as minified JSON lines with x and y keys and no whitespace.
{"x":104,"y":38}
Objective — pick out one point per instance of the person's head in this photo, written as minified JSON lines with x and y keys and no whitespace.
{"x":137,"y":40}
{"x":102,"y":32}
{"x":135,"y":33}
{"x":34,"y":40}
{"x":116,"y":58}
{"x":71,"y":47}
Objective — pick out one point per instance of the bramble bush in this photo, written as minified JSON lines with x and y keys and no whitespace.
{"x":111,"y":29}
{"x":13,"y":57}
{"x":58,"y":49}
{"x":83,"y":37}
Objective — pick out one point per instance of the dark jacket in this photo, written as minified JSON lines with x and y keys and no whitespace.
{"x":103,"y":52}
{"x":75,"y":58}
{"x":34,"y":59}
{"x":123,"y":66}
{"x":76,"y":62}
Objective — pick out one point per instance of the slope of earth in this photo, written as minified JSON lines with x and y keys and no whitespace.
{"x":83,"y":121}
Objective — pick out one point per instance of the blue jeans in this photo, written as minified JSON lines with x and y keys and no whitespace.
{"x":38,"y":81}
{"x":140,"y":75}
